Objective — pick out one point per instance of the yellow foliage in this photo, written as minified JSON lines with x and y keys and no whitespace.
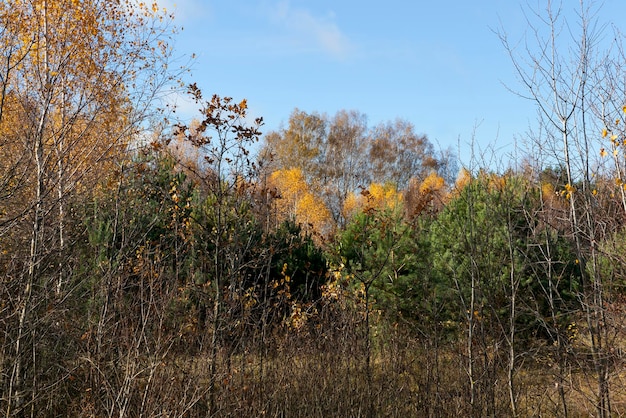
{"x":463,"y":179}
{"x":312,"y":212}
{"x":81,"y":56}
{"x":298,"y":317}
{"x":351,"y":205}
{"x":376,"y":196}
{"x":290,"y":183}
{"x":431,"y":184}
{"x":297,"y":202}
{"x":383,"y":196}
{"x":568,"y":191}
{"x":547,"y":189}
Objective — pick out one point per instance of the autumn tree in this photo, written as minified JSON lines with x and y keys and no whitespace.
{"x":77,"y":81}
{"x":345,"y":156}
{"x":375,"y":197}
{"x":298,"y":145}
{"x":397,"y":153}
{"x":426,"y":196}
{"x":341,"y":155}
{"x":296,"y":202}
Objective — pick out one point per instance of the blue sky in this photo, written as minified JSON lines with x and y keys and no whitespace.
{"x":437,"y":64}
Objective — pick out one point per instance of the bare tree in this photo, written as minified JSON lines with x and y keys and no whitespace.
{"x":559,"y":67}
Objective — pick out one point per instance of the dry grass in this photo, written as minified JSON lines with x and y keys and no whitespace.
{"x":305,"y":377}
{"x":321,"y":371}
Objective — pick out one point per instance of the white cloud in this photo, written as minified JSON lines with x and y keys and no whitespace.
{"x":185,"y":107}
{"x":321,"y":32}
{"x":185,"y":9}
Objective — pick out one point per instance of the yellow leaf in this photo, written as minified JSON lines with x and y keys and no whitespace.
{"x":297,"y":200}
{"x":604,"y":133}
{"x":603,"y":152}
{"x":432,"y":183}
{"x":547,"y":189}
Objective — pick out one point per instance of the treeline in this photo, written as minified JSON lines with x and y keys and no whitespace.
{"x":159,"y":268}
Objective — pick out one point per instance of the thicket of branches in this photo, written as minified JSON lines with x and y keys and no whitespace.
{"x":152,"y":268}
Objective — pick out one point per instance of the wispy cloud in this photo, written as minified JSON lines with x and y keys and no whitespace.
{"x":320,"y":32}
{"x":185,"y":10}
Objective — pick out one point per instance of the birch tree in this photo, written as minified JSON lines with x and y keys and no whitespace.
{"x":78,"y":80}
